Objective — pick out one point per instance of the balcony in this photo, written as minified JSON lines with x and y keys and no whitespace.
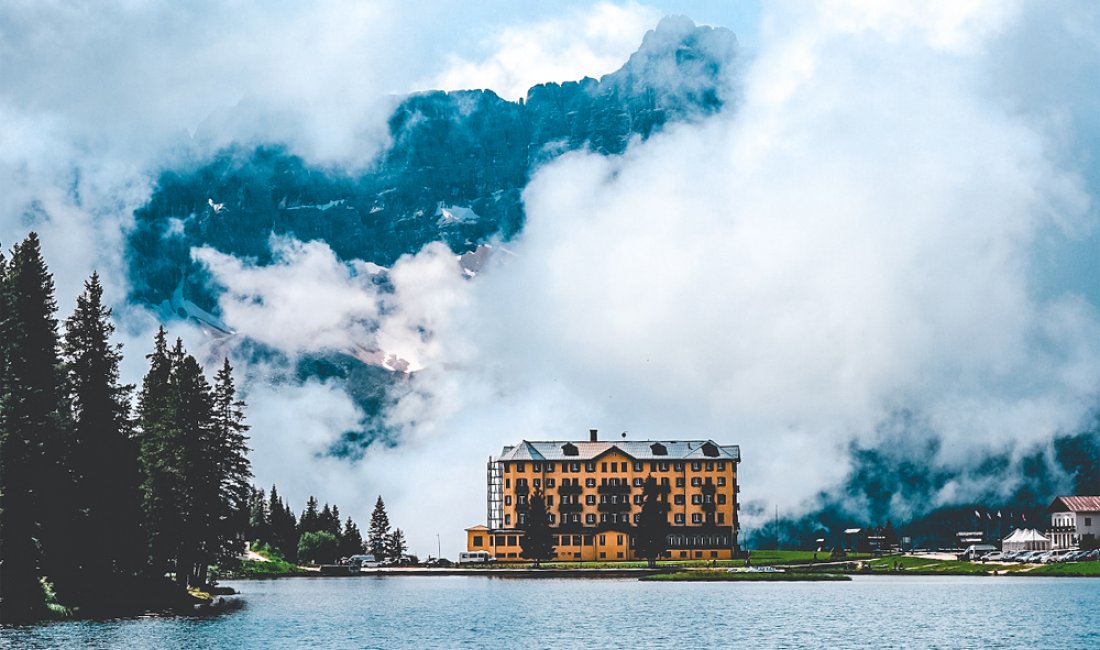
{"x":570,"y":507}
{"x":569,"y":489}
{"x":614,"y":507}
{"x":621,"y":488}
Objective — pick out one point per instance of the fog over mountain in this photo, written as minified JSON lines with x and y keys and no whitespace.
{"x":866,"y":248}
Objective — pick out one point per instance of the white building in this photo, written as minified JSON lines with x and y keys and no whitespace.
{"x":1074,"y":520}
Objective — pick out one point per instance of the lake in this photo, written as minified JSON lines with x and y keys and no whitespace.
{"x":491,"y":612}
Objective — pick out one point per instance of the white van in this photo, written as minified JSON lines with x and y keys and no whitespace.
{"x":471,"y":557}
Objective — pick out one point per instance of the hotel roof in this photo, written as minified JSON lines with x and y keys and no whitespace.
{"x":570,"y":450}
{"x":1075,"y":504}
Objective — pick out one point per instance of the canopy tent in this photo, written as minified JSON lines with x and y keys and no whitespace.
{"x":1025,"y":539}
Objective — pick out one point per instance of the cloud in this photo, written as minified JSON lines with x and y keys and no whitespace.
{"x":858,"y":238}
{"x":584,"y":42}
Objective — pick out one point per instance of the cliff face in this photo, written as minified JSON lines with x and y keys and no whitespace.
{"x":454,"y":172}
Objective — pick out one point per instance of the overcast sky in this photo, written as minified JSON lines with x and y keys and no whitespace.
{"x":897,"y":214}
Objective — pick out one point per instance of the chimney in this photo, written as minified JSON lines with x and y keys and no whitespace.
{"x":592,"y":435}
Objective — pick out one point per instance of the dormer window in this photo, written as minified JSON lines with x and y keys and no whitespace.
{"x":710,"y":449}
{"x":659,"y":449}
{"x":569,"y":449}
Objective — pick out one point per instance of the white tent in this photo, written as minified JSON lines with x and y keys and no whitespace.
{"x":1025,"y":539}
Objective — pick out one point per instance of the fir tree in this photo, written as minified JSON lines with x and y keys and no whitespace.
{"x":160,"y":459}
{"x":105,"y":457}
{"x":537,"y":542}
{"x":351,"y":540}
{"x":310,"y":522}
{"x":229,"y":449}
{"x":379,"y":531}
{"x":651,"y":536}
{"x":37,"y":477}
{"x":396,"y":547}
{"x":259,"y":517}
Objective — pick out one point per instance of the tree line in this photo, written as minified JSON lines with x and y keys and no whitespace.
{"x":101,"y":504}
{"x":317,"y":537}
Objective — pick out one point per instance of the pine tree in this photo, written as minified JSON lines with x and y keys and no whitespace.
{"x":379,"y":531}
{"x":284,"y":527}
{"x":310,"y":521}
{"x":105,"y":456}
{"x":537,"y":542}
{"x":37,"y":477}
{"x":651,"y":536}
{"x":259,"y":518}
{"x":351,"y":540}
{"x":21,"y":598}
{"x":161,"y":461}
{"x":396,"y":547}
{"x":332,"y":520}
{"x":229,"y":449}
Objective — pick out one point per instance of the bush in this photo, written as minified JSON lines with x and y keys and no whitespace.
{"x":319,"y":547}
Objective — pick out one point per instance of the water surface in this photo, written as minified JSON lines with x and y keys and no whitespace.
{"x":489,"y":612}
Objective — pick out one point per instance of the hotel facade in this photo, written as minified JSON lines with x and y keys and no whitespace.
{"x":593,"y":493}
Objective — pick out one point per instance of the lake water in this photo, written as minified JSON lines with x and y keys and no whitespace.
{"x":490,"y":612}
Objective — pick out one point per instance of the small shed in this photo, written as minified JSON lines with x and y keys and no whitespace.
{"x":1025,"y":539}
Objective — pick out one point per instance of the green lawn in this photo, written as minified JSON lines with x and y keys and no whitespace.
{"x":799,"y":557}
{"x":1068,"y":569}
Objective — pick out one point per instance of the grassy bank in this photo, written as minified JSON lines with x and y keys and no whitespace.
{"x":274,"y":566}
{"x":743,"y":576}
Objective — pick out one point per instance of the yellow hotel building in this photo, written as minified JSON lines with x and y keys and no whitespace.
{"x":593,"y":492}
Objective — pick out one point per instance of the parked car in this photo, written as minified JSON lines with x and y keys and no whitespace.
{"x":995,"y":556}
{"x":364,"y":560}
{"x":438,"y":562}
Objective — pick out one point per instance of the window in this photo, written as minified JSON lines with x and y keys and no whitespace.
{"x":679,"y":517}
{"x":603,"y":518}
{"x":522,"y":519}
{"x":638,"y":482}
{"x":508,"y":500}
{"x":709,"y":498}
{"x":549,"y":500}
{"x":721,"y":517}
{"x":614,"y":467}
{"x":479,"y":540}
{"x":576,"y":540}
{"x":520,"y":467}
{"x":721,"y":466}
{"x":696,"y":499}
{"x":590,"y":467}
{"x":521,"y":499}
{"x":696,"y":466}
{"x":536,"y":467}
{"x":498,"y":540}
{"x":590,"y":518}
{"x":679,"y":467}
{"x":637,"y":467}
{"x":638,"y":499}
{"x":507,"y":520}
{"x":710,"y":465}
{"x":507,"y":482}
{"x":620,"y":540}
{"x":663,"y":466}
{"x":603,"y":467}
{"x":513,"y":540}
{"x":549,"y":467}
{"x":664,"y":480}
{"x":1088,"y":521}
{"x":721,"y":499}
{"x":551,"y":516}
{"x":602,"y":554}
{"x":696,"y":518}
{"x":589,"y":482}
{"x":507,"y":467}
{"x":537,"y":483}
{"x":590,"y":499}
{"x":574,"y":467}
{"x":721,"y":481}
{"x":549,"y":482}
{"x":679,"y":481}
{"x":696,"y":481}
{"x":603,"y":540}
{"x":678,"y":499}
{"x":588,"y":540}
